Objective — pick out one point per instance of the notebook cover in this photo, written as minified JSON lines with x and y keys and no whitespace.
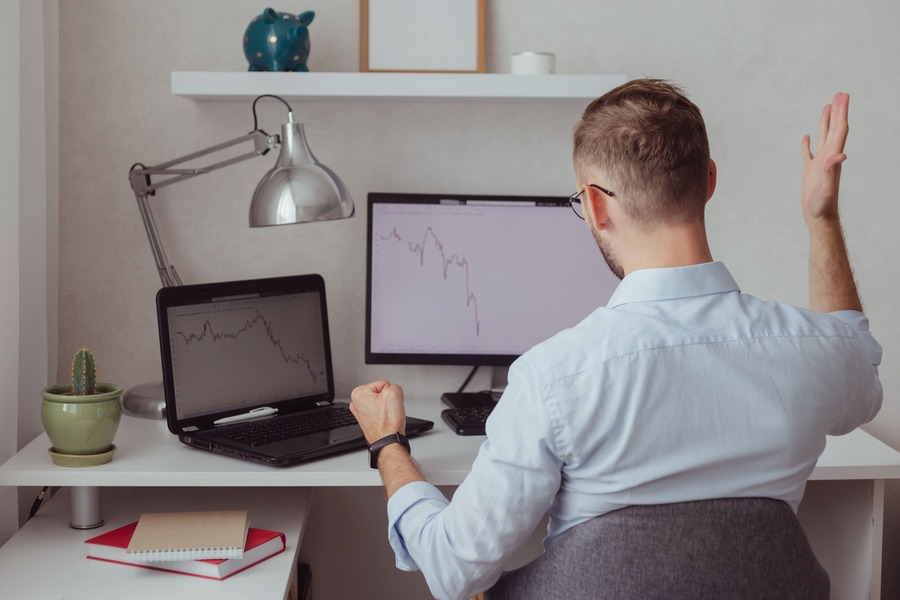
{"x":189,"y":535}
{"x":261,"y":544}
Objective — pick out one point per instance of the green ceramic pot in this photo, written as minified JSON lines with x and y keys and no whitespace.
{"x":81,"y":425}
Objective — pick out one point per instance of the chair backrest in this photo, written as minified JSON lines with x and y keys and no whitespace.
{"x":736,"y":548}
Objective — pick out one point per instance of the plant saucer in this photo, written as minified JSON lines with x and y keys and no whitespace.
{"x":81,"y":460}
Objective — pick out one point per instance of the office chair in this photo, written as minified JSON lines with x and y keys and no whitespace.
{"x":736,"y":548}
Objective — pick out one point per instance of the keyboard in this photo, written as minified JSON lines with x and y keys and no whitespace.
{"x":467,"y":421}
{"x":257,"y":433}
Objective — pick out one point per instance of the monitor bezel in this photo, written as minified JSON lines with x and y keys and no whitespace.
{"x":397,"y":358}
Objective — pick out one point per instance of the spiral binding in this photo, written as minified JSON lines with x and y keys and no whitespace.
{"x":192,"y":554}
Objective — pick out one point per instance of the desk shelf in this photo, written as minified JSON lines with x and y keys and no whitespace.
{"x":210,"y":85}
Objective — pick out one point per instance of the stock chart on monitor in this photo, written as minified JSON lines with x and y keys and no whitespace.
{"x":475,"y":279}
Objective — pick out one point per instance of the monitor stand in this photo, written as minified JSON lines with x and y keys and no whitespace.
{"x":483,"y":398}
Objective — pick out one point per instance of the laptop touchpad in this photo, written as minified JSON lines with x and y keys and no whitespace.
{"x":343,"y":434}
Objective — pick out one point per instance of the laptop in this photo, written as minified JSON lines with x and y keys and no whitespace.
{"x":242,"y":357}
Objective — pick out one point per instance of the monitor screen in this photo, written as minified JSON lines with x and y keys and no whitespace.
{"x":243,"y":351}
{"x":236,"y":345}
{"x":475,"y":280}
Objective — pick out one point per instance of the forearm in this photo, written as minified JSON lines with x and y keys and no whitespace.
{"x":831,"y":284}
{"x":397,"y":468}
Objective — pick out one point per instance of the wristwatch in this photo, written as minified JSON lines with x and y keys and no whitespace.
{"x":376,"y":446}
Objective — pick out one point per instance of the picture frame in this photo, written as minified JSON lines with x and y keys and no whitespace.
{"x":422,"y":36}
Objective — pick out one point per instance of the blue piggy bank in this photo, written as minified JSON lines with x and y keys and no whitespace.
{"x":277,"y":41}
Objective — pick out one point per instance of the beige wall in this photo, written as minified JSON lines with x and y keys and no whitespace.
{"x":759,"y":70}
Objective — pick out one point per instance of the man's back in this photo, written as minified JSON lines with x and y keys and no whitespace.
{"x":683,"y":388}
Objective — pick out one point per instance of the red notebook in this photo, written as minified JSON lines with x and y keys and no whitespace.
{"x":261,"y":544}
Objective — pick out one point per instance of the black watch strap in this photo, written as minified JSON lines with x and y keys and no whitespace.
{"x":376,"y":446}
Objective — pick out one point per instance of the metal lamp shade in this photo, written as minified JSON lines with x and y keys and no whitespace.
{"x":298,"y":189}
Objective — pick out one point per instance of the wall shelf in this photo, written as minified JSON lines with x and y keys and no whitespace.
{"x":208,"y":85}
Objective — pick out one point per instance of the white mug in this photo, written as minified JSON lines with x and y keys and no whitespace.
{"x":533,"y":63}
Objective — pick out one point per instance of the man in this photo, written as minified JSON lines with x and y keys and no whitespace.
{"x":680,"y":389}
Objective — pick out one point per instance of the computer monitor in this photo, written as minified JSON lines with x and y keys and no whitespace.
{"x":475,"y":280}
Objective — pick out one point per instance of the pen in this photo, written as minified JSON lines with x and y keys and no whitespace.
{"x":256,"y":413}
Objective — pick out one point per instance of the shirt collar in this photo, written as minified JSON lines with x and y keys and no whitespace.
{"x":648,"y":285}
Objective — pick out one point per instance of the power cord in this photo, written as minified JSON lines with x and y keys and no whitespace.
{"x":36,"y":505}
{"x":290,"y":110}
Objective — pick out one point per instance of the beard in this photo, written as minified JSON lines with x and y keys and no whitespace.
{"x":608,"y":255}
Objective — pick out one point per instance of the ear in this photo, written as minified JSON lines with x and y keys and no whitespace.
{"x":270,"y":16}
{"x":596,"y":207}
{"x":712,"y":180}
{"x":306,"y":17}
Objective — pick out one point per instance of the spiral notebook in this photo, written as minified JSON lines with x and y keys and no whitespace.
{"x":262,"y":544}
{"x":189,"y":536}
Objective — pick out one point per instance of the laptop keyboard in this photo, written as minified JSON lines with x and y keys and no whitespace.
{"x":258,"y":433}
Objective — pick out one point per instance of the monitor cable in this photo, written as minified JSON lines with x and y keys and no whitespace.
{"x":468,"y":379}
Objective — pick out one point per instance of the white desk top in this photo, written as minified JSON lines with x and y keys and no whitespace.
{"x":148,"y":455}
{"x":46,"y":559}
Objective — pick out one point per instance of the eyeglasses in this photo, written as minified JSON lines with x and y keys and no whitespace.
{"x":575,"y":200}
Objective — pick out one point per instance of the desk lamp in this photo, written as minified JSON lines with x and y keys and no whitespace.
{"x":298,"y":189}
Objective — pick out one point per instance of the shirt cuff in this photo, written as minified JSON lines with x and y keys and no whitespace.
{"x":860,"y":323}
{"x":403,"y":500}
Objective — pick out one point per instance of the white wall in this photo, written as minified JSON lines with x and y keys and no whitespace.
{"x":9,"y":252}
{"x":760,"y":71}
{"x":29,"y":180}
{"x":38,"y":214}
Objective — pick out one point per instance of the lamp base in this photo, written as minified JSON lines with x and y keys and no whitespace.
{"x":85,"y":507}
{"x":146,"y":401}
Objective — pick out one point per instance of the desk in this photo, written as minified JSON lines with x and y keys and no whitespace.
{"x":45,"y":559}
{"x":847,"y":486}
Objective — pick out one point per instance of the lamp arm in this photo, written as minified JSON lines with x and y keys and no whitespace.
{"x":143,"y":188}
{"x":167,"y":273}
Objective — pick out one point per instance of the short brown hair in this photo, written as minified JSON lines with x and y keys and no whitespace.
{"x":651,"y":141}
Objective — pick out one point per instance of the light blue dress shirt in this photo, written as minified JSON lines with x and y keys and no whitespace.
{"x":682,"y":388}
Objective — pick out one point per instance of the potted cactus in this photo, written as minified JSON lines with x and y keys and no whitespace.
{"x":81,"y":417}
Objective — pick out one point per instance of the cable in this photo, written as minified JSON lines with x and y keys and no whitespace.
{"x":37,"y":502}
{"x":468,"y":379}
{"x":258,"y":98}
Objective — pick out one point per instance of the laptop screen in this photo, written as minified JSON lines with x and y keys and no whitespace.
{"x":234,"y":346}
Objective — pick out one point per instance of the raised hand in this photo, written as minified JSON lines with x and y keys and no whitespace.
{"x":822,"y":170}
{"x":831,"y":284}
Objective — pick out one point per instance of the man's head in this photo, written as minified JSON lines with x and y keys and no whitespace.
{"x":648,"y":143}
